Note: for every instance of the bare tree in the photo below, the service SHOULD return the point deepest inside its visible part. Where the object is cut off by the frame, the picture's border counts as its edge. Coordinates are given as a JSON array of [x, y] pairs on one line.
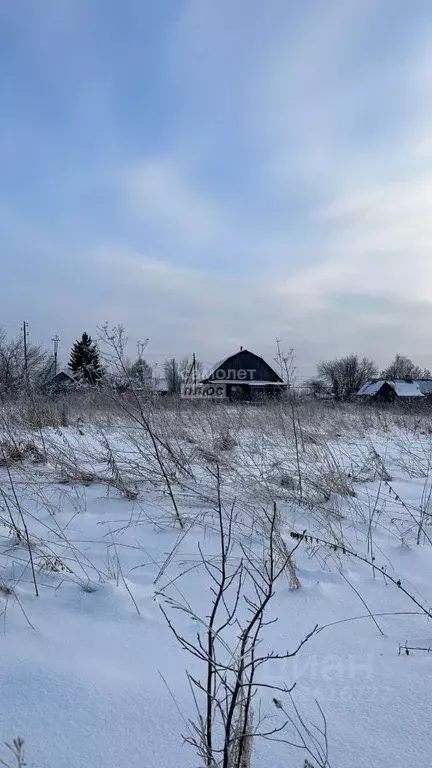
[[17, 373], [191, 370], [346, 375], [403, 368], [172, 375]]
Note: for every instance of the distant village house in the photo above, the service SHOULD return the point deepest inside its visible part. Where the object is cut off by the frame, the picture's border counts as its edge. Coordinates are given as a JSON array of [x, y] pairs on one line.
[[243, 376], [386, 390]]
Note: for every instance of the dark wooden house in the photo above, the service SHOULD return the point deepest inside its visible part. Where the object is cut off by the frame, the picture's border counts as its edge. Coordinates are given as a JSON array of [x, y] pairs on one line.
[[385, 390], [242, 376]]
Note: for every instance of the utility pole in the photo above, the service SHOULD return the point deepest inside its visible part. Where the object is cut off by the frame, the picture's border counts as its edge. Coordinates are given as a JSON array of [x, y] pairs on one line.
[[194, 371], [26, 373], [55, 341]]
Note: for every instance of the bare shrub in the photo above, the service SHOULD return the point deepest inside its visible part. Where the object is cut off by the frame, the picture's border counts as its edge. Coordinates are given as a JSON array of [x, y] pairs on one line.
[[287, 481], [224, 729], [12, 451], [225, 442]]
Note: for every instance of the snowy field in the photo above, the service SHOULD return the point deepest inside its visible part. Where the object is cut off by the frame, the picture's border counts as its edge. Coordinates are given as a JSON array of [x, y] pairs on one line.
[[115, 521]]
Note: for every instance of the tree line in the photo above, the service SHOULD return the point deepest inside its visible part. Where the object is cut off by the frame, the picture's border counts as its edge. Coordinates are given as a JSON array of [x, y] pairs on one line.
[[30, 365], [85, 365], [27, 365], [343, 377]]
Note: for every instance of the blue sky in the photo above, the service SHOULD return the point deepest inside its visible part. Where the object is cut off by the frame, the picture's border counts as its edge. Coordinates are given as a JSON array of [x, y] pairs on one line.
[[211, 173]]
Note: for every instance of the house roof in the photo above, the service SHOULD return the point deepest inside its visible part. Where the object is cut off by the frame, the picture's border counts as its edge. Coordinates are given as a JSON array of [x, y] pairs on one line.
[[402, 387], [425, 386], [406, 388], [61, 376], [210, 375], [371, 387]]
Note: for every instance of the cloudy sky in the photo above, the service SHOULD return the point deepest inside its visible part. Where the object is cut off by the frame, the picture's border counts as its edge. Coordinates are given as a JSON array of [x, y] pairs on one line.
[[211, 173]]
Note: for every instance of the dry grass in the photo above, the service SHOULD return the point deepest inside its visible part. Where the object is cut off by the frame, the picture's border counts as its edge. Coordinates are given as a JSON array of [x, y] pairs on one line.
[[340, 451], [12, 451]]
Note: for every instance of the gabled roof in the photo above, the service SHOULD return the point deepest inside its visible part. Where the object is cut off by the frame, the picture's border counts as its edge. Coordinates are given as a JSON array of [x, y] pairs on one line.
[[62, 375], [210, 375], [406, 388], [371, 387], [402, 387], [61, 380], [214, 368]]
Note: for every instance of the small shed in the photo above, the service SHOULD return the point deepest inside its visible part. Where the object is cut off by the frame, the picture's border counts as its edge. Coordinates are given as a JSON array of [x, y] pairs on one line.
[[60, 383], [160, 387], [242, 376]]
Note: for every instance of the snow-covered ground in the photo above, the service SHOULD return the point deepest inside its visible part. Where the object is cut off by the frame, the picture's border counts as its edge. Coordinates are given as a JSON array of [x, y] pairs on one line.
[[91, 674]]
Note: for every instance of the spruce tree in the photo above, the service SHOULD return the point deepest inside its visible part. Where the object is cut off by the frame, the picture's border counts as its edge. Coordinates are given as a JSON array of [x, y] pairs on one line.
[[84, 360]]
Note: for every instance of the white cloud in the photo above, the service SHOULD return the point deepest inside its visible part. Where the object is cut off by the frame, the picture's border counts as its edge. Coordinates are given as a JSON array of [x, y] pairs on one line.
[[378, 240], [369, 196], [159, 193], [183, 310]]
